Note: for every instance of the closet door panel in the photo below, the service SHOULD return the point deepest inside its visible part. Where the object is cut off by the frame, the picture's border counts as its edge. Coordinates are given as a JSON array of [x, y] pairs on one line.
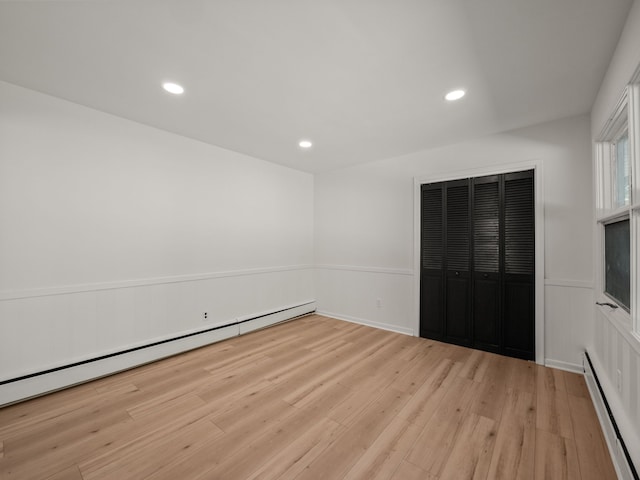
[[519, 224], [458, 256], [486, 313], [432, 262], [432, 307], [519, 265], [486, 257], [486, 224], [519, 320], [457, 317]]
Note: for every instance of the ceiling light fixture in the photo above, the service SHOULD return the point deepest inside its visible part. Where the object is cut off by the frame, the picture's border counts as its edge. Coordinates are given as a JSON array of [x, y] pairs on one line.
[[173, 88], [305, 144], [455, 95]]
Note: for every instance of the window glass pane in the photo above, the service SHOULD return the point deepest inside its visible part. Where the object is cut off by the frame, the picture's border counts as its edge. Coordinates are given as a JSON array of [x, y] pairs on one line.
[[617, 262], [622, 169]]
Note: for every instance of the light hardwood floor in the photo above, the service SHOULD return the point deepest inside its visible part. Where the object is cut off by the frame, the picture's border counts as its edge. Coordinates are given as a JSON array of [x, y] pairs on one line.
[[314, 398]]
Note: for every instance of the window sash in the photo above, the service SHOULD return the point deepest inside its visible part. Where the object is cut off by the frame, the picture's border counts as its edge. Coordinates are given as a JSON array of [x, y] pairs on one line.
[[617, 269], [621, 167], [616, 185]]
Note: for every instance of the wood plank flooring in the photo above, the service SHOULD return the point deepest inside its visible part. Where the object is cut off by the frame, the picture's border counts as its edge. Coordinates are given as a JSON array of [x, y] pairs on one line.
[[314, 398]]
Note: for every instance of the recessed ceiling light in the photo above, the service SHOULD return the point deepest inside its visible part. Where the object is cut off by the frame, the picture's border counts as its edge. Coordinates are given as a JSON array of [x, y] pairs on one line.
[[173, 88], [305, 144], [455, 95]]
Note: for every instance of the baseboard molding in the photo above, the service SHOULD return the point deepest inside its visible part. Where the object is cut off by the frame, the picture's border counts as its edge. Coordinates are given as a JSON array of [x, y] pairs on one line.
[[569, 367], [368, 323], [39, 383], [622, 441]]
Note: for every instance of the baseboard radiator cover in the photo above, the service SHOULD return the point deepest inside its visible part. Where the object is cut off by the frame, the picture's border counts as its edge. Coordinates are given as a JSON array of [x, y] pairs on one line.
[[24, 387], [620, 455]]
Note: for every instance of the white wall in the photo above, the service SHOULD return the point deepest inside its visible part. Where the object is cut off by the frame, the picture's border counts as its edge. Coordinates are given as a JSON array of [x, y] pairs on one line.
[[622, 66], [364, 230], [115, 234], [613, 348]]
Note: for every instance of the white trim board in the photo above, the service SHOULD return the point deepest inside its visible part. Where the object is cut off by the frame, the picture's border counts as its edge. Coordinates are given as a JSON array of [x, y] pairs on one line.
[[142, 282], [567, 367], [557, 282], [368, 323], [366, 269], [537, 167]]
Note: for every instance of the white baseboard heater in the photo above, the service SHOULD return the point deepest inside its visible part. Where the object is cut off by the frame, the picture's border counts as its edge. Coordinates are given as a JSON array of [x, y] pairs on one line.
[[619, 453], [23, 387]]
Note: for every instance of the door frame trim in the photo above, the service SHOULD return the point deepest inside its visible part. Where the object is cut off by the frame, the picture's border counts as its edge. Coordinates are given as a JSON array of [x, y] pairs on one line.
[[538, 178]]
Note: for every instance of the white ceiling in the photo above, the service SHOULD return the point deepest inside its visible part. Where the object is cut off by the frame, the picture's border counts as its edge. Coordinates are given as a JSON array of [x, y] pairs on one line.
[[363, 79]]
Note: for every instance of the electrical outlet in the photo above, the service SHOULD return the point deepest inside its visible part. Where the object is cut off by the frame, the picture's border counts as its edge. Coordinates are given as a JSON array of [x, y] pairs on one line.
[[379, 303], [619, 381], [204, 315]]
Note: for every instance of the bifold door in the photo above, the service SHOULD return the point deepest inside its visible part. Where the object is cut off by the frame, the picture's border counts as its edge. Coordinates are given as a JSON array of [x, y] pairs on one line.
[[477, 263]]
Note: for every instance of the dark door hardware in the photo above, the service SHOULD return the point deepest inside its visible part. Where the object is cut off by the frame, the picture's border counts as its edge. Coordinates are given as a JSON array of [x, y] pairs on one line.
[[608, 304]]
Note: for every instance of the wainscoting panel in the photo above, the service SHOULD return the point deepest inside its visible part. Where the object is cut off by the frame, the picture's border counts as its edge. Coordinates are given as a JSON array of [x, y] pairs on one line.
[[568, 314], [51, 331], [377, 297], [352, 293], [616, 360]]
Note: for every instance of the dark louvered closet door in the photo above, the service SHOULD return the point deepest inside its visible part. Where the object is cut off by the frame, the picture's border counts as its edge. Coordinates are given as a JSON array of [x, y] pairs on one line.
[[519, 265], [477, 284], [458, 278], [486, 254], [432, 262]]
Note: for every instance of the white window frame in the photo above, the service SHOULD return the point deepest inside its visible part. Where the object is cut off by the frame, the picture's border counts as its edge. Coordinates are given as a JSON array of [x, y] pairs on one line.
[[634, 213], [625, 118]]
